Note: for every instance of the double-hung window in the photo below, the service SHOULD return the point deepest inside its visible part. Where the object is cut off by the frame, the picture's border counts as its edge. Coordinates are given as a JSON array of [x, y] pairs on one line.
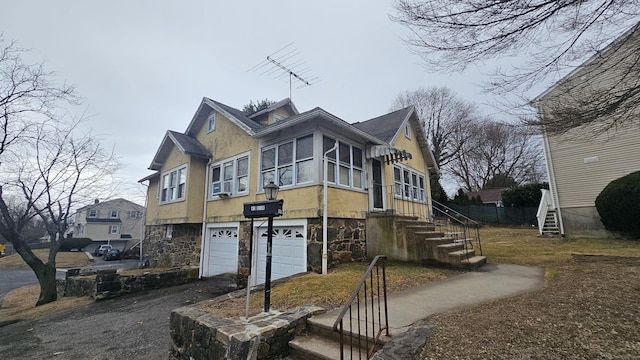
[[288, 163], [92, 213], [347, 170], [173, 185], [230, 177], [114, 229], [113, 214], [409, 184]]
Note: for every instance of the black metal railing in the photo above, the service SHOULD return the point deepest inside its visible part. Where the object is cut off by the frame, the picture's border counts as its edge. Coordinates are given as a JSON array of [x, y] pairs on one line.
[[407, 202], [457, 226], [364, 312]]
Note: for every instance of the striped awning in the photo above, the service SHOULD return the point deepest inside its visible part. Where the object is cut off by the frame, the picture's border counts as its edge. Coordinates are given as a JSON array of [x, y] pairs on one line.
[[389, 155]]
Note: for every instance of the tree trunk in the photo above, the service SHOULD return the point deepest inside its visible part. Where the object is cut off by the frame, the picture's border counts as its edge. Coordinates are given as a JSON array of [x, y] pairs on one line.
[[47, 278]]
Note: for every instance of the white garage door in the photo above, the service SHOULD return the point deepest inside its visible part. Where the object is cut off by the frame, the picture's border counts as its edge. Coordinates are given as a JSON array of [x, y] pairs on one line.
[[288, 253], [223, 251]]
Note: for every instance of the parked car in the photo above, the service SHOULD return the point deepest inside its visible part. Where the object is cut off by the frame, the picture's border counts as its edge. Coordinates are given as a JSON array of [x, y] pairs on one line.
[[103, 249], [113, 254]]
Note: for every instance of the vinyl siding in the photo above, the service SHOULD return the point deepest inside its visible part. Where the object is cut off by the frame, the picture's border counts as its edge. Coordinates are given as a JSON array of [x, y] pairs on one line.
[[579, 183]]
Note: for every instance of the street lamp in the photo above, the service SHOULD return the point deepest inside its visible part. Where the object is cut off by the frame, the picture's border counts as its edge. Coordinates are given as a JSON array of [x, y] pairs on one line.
[[271, 191], [269, 209]]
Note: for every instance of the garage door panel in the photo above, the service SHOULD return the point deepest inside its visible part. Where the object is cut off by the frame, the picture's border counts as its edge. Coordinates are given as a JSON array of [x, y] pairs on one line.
[[223, 251], [288, 253]]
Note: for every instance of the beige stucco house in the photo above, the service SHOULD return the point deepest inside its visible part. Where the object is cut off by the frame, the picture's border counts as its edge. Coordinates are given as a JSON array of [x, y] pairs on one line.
[[204, 175], [118, 222], [581, 162]]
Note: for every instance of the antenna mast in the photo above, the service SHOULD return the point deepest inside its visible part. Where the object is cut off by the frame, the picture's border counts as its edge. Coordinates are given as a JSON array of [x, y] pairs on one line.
[[291, 67]]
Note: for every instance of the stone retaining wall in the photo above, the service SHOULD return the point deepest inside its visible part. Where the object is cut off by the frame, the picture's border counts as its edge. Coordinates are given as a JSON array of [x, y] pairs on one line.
[[109, 284], [199, 334]]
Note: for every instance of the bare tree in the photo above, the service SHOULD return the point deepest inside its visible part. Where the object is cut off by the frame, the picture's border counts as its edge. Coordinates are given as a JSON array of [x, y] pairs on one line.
[[496, 151], [44, 160], [543, 39], [441, 113]]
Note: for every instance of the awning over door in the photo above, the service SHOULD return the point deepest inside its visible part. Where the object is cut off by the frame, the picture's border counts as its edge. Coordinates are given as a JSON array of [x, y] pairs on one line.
[[388, 154]]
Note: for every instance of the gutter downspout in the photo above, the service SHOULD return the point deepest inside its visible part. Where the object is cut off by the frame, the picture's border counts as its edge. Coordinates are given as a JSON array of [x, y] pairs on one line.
[[324, 210], [204, 219], [552, 181], [141, 261]]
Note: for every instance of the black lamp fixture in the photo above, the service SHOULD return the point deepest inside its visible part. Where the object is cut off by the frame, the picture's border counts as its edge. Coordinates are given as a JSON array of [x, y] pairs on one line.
[[271, 191]]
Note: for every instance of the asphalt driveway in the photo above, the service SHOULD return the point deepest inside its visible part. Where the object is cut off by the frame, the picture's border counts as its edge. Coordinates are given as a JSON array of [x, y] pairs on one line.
[[130, 327]]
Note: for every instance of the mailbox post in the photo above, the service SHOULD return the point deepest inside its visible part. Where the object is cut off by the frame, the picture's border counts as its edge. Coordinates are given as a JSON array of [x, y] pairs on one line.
[[269, 209]]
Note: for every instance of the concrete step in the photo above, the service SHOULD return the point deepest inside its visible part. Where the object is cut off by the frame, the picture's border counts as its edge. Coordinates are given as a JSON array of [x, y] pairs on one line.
[[313, 347], [456, 258], [475, 262], [427, 234]]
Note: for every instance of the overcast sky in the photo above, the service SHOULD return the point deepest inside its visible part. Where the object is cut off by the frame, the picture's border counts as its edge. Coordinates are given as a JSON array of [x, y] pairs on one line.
[[143, 67]]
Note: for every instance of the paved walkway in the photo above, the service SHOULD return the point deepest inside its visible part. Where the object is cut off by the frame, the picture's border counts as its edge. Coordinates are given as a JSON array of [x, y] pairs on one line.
[[491, 281]]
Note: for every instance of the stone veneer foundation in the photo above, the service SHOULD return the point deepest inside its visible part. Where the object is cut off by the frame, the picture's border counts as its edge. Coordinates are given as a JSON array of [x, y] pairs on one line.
[[347, 243]]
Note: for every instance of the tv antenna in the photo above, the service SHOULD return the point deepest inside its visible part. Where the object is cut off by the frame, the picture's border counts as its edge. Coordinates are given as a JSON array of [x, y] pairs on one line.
[[285, 63]]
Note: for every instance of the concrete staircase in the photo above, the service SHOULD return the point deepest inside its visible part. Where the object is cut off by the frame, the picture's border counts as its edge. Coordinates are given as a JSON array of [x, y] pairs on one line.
[[322, 343], [442, 246], [550, 227]]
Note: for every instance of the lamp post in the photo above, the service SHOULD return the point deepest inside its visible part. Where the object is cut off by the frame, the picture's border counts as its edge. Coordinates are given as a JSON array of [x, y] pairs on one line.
[[271, 192]]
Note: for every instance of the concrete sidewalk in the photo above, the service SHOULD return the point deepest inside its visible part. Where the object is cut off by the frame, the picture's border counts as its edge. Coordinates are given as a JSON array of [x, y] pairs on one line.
[[491, 281]]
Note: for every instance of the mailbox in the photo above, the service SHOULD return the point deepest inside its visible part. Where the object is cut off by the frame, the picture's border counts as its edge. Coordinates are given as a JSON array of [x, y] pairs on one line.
[[261, 209]]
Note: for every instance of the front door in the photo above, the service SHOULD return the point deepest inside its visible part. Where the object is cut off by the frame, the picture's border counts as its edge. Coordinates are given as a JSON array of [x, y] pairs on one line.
[[376, 169]]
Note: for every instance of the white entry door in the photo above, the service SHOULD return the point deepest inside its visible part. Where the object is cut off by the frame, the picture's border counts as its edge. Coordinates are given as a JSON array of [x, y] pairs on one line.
[[289, 252], [223, 251]]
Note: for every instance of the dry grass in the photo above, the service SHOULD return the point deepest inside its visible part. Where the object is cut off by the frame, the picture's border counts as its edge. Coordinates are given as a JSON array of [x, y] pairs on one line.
[[522, 245], [63, 259], [20, 304], [331, 290]]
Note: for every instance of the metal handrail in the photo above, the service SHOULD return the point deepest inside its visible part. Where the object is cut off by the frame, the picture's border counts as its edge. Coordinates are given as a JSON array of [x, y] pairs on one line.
[[374, 301], [407, 202], [457, 225]]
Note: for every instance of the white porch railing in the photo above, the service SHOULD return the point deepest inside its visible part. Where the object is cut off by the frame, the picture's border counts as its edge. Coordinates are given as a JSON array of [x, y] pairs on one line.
[[546, 204]]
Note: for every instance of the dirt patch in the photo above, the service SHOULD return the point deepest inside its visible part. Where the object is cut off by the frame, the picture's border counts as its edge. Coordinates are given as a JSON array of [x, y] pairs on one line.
[[588, 310], [21, 304]]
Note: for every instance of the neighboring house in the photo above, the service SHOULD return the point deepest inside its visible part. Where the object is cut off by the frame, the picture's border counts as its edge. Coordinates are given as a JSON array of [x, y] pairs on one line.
[[204, 176], [580, 164], [488, 197], [118, 222]]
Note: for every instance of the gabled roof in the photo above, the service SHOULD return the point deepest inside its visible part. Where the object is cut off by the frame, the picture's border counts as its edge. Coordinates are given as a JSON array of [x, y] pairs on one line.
[[107, 202], [388, 126], [279, 104], [234, 115], [186, 144], [385, 127]]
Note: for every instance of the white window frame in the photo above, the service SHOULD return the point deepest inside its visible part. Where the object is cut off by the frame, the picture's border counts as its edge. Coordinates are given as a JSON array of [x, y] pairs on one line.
[[114, 214], [336, 161], [274, 173], [173, 185], [211, 122], [409, 184], [92, 213], [169, 231], [133, 214], [231, 181], [407, 133], [114, 229]]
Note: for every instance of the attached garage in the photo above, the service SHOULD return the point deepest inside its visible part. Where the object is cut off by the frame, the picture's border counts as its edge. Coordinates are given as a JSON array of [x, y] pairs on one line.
[[289, 252], [222, 251]]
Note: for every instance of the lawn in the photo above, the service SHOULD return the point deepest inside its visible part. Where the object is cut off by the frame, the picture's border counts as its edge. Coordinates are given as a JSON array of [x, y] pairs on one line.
[[63, 259], [522, 245]]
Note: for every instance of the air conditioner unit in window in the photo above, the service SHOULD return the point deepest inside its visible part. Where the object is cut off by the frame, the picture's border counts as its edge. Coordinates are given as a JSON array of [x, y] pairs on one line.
[[223, 195]]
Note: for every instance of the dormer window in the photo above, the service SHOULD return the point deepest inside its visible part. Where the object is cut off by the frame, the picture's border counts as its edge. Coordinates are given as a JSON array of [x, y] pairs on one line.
[[211, 120]]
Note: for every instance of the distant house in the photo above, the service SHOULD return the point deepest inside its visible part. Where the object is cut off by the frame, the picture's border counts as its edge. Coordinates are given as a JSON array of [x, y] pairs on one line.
[[488, 197], [579, 164], [118, 222], [204, 175]]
